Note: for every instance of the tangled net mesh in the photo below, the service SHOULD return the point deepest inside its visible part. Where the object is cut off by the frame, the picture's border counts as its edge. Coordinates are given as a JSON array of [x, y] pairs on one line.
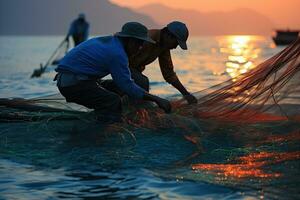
[[259, 95], [269, 92]]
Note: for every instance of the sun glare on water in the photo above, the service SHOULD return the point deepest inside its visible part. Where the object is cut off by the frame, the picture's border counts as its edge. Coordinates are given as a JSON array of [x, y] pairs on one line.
[[241, 53]]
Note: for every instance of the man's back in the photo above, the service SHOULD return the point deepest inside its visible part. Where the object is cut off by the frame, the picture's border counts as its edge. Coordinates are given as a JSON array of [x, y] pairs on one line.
[[150, 52], [80, 27], [79, 30], [93, 57], [99, 57]]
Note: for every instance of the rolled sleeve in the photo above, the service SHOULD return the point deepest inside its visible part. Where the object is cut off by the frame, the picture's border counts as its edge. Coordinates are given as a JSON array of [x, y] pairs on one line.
[[121, 75], [166, 67]]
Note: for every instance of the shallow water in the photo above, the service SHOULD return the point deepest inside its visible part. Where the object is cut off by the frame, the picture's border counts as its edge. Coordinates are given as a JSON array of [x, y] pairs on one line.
[[81, 159]]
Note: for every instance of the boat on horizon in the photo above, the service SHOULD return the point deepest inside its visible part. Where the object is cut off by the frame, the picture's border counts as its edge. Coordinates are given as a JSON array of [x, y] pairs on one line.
[[285, 37]]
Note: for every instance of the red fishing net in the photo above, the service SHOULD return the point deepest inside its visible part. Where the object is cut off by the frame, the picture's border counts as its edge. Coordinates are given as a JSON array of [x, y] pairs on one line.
[[269, 92]]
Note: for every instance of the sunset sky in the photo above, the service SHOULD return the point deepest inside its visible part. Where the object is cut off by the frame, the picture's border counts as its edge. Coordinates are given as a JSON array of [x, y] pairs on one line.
[[284, 13]]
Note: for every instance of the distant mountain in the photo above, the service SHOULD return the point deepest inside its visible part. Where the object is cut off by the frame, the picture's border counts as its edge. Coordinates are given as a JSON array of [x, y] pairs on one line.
[[47, 17], [239, 21]]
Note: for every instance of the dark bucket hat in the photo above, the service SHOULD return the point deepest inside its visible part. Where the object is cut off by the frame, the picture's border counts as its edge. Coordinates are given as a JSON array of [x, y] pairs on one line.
[[135, 30], [180, 31]]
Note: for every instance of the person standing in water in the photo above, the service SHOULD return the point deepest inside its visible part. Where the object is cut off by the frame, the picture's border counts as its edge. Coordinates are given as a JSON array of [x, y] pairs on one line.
[[79, 30]]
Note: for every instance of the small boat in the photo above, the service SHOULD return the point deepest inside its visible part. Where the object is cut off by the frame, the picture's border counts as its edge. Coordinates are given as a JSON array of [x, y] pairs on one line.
[[54, 59], [285, 37]]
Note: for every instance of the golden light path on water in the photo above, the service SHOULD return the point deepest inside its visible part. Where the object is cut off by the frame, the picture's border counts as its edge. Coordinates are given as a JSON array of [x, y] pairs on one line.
[[258, 164], [242, 52], [250, 166]]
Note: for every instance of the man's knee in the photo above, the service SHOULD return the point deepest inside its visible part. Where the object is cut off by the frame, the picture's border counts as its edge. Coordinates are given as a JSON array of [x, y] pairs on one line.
[[116, 103], [111, 102]]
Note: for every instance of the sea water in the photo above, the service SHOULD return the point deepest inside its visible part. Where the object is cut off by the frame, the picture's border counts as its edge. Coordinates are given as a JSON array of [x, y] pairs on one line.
[[83, 160]]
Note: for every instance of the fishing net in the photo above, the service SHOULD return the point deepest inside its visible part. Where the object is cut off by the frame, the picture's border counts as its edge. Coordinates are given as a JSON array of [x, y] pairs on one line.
[[52, 107], [235, 123], [269, 92], [54, 59]]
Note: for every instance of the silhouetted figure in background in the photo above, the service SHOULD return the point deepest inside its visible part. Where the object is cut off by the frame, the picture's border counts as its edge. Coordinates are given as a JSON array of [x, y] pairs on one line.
[[79, 30]]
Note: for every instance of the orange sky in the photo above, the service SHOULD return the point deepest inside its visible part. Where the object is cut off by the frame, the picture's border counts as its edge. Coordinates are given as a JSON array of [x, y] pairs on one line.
[[284, 13]]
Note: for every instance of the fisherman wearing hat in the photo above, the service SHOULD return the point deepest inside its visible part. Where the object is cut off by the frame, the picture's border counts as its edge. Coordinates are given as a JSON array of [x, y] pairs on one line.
[[80, 70], [174, 34], [79, 30]]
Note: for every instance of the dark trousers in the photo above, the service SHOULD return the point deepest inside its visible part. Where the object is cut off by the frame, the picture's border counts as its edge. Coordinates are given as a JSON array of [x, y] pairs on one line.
[[77, 39], [93, 95], [102, 96]]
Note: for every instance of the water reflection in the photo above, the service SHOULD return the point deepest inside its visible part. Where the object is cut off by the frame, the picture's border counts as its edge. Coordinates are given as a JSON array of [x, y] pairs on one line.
[[249, 166], [241, 53]]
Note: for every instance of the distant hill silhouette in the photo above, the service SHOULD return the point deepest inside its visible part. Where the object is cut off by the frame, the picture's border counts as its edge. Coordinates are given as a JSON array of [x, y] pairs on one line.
[[48, 17], [239, 21]]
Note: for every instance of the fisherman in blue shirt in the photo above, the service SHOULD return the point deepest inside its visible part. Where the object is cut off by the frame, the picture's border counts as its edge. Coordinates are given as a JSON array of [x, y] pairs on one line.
[[80, 70], [79, 30]]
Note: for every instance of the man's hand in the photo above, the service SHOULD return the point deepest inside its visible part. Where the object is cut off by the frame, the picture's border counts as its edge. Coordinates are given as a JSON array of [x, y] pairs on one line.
[[164, 104], [190, 99]]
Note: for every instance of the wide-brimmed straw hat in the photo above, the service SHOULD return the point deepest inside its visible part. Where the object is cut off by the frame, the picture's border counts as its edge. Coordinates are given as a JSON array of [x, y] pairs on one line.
[[135, 30]]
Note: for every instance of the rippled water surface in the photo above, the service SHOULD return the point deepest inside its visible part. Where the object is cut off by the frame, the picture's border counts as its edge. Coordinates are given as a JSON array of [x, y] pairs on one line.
[[81, 159]]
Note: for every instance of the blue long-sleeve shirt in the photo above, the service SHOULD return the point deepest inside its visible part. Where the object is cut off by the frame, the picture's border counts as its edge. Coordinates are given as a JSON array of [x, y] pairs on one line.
[[99, 57]]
